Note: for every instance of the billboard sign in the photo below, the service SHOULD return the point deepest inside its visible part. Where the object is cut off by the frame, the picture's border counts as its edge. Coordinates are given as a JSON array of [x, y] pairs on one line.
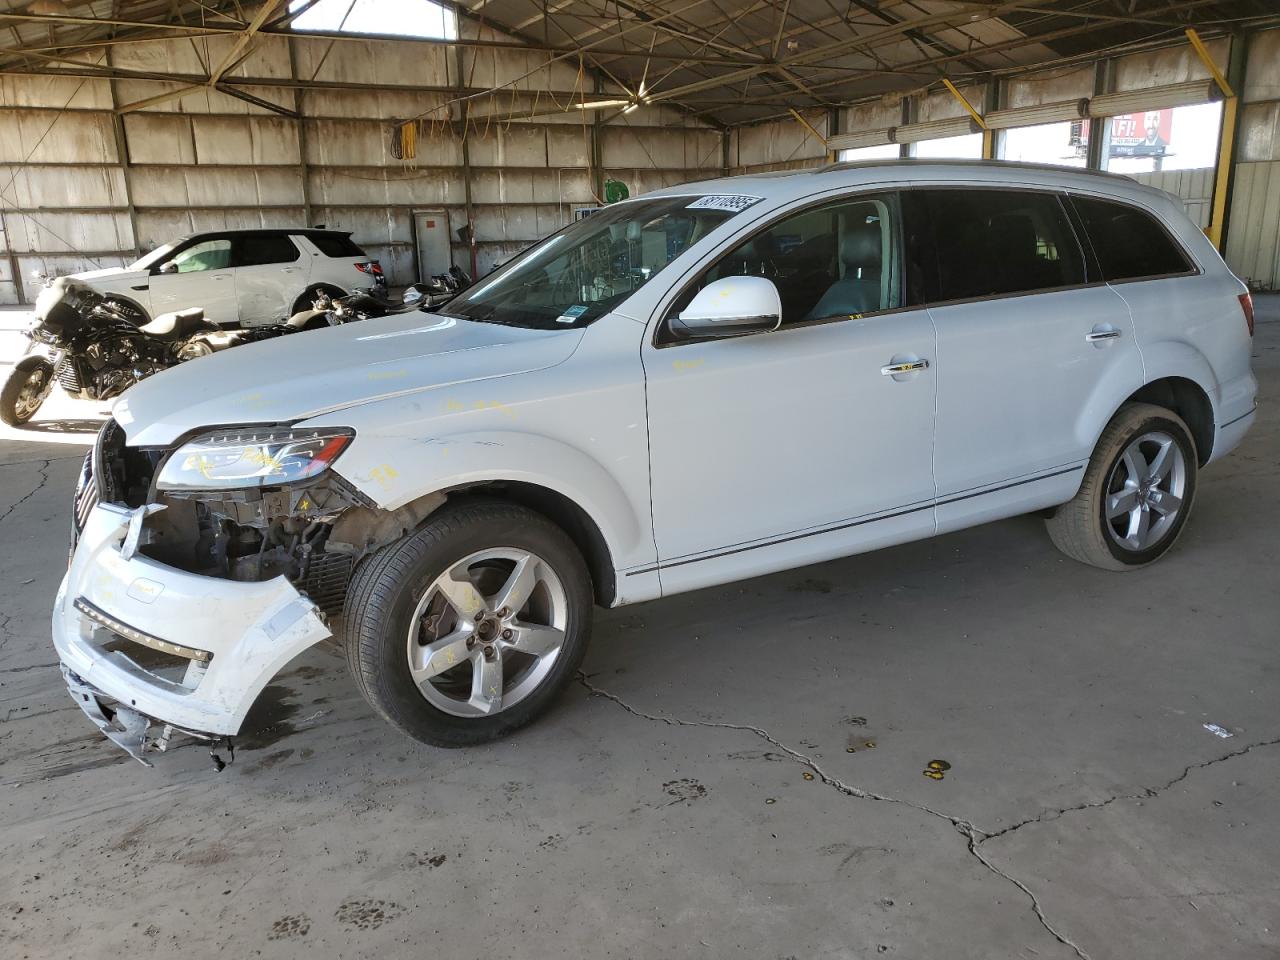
[[1145, 134]]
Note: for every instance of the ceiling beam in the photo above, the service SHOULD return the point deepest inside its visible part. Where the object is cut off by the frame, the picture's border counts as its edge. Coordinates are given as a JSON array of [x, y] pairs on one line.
[[165, 30]]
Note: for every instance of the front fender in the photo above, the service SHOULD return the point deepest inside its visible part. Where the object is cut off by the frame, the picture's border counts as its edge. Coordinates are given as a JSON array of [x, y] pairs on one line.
[[393, 470]]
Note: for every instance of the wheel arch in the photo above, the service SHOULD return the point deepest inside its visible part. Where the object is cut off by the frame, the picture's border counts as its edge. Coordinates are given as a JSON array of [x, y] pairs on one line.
[[1190, 401], [304, 299], [564, 513]]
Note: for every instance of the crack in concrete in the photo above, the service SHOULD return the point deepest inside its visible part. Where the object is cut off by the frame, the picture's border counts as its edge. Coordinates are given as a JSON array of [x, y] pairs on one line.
[[44, 478], [1146, 793], [29, 667], [974, 837]]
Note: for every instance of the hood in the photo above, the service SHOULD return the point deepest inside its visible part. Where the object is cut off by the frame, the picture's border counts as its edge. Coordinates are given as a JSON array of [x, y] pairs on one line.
[[107, 273], [303, 375]]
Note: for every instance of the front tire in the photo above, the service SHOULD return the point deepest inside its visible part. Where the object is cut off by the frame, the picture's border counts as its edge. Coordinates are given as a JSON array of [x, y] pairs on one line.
[[29, 383], [468, 628], [1136, 494]]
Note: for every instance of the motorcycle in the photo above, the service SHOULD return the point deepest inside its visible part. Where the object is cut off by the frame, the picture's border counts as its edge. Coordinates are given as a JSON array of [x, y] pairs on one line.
[[364, 305], [94, 348]]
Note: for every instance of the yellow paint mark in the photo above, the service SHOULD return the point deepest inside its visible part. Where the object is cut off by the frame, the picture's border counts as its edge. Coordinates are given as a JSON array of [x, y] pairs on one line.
[[383, 475], [388, 374], [456, 406], [253, 400], [679, 365]]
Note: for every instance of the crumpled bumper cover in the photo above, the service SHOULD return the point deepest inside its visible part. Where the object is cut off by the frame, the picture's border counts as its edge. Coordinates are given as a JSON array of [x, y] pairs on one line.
[[249, 631]]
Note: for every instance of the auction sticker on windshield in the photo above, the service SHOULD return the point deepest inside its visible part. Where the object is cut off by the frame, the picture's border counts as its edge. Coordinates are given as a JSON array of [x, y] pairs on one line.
[[734, 203], [571, 314]]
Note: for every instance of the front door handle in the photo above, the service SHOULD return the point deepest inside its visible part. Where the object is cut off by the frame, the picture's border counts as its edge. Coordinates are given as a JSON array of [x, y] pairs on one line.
[[907, 366], [1097, 336]]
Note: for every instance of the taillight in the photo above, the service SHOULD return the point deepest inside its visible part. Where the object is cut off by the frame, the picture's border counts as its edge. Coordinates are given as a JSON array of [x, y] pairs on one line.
[[1246, 304], [371, 267]]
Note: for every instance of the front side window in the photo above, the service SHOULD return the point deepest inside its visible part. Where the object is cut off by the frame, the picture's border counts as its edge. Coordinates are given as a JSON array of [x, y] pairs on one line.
[[838, 260], [1129, 243], [581, 273], [997, 243], [205, 255], [258, 249]]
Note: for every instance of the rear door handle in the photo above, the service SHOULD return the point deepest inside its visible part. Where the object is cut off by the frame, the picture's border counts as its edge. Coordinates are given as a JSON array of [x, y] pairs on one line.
[[1097, 336], [909, 366]]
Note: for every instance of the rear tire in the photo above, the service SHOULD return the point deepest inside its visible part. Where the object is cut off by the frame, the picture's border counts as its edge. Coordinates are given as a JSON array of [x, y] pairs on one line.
[[468, 628], [29, 383], [309, 295], [1136, 495]]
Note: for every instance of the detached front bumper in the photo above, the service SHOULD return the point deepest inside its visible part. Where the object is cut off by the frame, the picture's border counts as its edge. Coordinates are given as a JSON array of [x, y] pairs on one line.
[[140, 641]]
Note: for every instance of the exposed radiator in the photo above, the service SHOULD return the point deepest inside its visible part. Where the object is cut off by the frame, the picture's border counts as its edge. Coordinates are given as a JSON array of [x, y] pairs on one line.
[[69, 377], [86, 495], [326, 580]]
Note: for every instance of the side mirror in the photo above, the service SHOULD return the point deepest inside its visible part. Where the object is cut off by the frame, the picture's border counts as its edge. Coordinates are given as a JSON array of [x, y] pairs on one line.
[[168, 267], [730, 307]]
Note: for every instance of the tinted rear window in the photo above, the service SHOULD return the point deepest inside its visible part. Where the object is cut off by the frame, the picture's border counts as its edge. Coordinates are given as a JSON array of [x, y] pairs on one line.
[[1129, 243], [336, 245], [996, 243], [256, 249]]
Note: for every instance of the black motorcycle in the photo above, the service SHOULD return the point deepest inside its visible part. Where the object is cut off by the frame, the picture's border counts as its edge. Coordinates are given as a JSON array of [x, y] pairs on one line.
[[362, 305], [93, 347]]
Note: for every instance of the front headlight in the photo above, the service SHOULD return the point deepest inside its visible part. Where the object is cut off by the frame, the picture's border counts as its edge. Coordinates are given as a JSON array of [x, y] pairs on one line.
[[252, 458]]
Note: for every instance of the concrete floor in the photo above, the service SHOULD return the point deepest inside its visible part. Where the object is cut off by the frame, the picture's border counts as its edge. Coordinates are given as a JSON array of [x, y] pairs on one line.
[[740, 776]]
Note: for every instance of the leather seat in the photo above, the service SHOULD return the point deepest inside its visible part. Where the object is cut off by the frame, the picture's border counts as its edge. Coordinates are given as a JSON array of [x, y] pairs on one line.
[[175, 326], [859, 290]]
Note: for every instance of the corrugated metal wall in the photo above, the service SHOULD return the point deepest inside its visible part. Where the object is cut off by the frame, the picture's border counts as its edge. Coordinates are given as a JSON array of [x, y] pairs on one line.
[[211, 161], [1253, 230], [1253, 239]]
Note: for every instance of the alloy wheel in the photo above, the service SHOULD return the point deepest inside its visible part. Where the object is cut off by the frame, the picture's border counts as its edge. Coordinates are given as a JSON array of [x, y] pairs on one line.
[[487, 631], [1145, 492], [32, 393]]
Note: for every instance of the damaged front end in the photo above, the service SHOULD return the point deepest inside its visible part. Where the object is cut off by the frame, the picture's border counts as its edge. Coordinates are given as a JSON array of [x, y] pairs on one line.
[[199, 572]]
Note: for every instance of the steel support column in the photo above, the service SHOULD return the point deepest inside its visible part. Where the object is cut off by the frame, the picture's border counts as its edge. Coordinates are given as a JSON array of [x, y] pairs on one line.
[[1104, 81], [122, 157]]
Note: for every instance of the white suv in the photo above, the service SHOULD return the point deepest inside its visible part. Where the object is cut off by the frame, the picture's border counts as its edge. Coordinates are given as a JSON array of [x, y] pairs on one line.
[[240, 277], [704, 384]]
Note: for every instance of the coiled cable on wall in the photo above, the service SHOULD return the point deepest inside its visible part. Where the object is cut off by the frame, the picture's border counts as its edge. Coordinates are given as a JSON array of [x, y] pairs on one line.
[[404, 140]]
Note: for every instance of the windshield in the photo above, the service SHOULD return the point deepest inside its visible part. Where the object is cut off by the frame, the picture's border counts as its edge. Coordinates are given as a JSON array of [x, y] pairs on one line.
[[578, 275], [149, 260]]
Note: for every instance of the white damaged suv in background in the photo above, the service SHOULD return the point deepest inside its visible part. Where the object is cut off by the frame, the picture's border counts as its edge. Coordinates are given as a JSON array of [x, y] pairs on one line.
[[238, 277], [704, 384]]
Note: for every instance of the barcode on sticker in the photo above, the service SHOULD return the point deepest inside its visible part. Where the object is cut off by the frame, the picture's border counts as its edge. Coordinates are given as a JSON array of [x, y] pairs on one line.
[[732, 202]]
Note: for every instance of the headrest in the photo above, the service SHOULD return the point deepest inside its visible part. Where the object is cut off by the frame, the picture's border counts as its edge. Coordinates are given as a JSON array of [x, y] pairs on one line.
[[860, 246], [1014, 235]]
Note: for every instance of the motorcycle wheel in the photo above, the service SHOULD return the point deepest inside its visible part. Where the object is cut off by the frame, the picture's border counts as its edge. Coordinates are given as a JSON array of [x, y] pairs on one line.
[[29, 383]]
